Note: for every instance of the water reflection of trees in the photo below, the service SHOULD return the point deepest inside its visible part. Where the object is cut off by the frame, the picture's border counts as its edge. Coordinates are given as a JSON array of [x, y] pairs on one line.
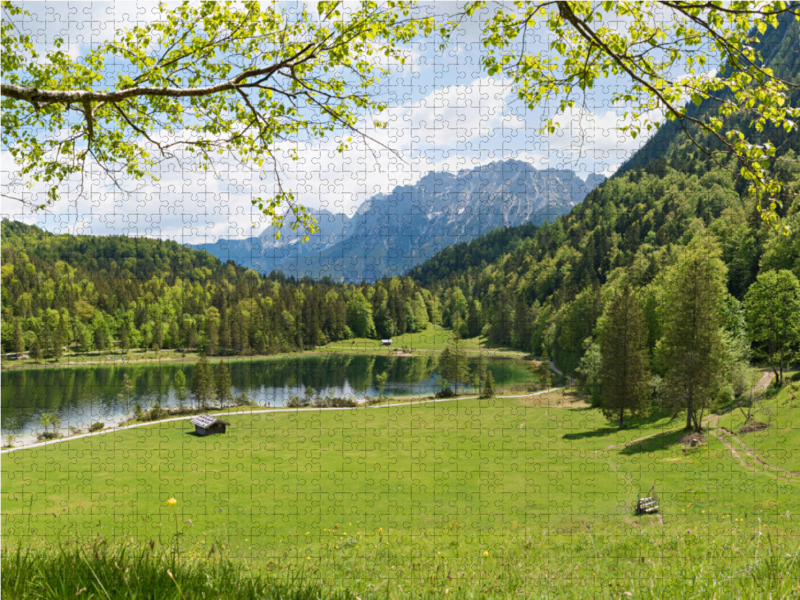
[[27, 393]]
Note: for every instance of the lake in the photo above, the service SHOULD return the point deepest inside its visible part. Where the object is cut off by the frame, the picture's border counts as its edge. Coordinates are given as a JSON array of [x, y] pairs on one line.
[[83, 395]]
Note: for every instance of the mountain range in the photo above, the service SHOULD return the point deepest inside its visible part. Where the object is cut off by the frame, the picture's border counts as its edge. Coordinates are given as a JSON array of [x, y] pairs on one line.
[[391, 233]]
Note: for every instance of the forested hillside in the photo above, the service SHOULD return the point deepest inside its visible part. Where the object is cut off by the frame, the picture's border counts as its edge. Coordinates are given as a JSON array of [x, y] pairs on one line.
[[660, 226], [551, 288], [103, 293], [469, 256]]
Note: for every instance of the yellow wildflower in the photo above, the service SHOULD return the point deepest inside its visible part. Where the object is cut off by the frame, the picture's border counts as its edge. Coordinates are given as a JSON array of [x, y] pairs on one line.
[[172, 502]]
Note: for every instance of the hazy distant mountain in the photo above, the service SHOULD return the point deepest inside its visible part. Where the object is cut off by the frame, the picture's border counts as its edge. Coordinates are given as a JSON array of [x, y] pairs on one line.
[[389, 234]]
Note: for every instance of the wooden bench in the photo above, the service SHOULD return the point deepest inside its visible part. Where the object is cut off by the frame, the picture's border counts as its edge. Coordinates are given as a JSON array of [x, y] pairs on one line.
[[649, 504]]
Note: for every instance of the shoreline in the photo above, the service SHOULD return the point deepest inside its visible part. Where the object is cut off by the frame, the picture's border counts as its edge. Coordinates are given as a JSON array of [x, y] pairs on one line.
[[420, 400], [192, 358]]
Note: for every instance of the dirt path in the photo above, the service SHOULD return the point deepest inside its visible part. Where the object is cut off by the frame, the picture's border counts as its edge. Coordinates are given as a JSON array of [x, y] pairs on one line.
[[763, 382], [254, 412], [747, 456]]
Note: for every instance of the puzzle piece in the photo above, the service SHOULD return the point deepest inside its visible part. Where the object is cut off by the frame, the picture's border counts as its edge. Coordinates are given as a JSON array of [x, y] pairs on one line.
[[363, 443]]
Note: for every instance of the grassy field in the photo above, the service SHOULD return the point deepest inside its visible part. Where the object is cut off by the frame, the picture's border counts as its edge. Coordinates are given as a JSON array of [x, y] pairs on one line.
[[778, 444], [496, 498], [433, 339]]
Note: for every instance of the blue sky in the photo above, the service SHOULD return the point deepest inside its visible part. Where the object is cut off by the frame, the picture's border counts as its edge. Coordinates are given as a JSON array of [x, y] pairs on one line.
[[444, 114]]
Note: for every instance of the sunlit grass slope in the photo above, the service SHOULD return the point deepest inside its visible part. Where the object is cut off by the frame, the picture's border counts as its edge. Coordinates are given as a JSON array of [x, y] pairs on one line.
[[433, 339], [480, 498], [779, 444], [279, 478]]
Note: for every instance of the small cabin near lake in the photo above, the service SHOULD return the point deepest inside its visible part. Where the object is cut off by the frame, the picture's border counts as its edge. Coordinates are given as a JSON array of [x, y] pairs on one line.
[[386, 342], [208, 425]]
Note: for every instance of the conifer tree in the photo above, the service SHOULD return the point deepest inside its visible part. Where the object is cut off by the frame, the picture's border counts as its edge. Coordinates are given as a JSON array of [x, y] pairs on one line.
[[174, 335], [691, 349], [158, 336], [624, 373], [58, 340], [453, 362], [488, 385], [125, 390], [100, 338], [547, 377], [212, 341], [36, 350], [47, 339], [202, 382], [124, 338], [222, 385], [225, 334], [19, 342], [180, 387]]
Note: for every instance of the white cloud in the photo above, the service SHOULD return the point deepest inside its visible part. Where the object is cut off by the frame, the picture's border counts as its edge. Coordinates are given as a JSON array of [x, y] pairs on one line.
[[444, 116]]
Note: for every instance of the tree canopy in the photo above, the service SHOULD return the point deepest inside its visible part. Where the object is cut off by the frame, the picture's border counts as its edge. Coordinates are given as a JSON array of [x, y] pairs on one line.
[[222, 82], [641, 44], [211, 82]]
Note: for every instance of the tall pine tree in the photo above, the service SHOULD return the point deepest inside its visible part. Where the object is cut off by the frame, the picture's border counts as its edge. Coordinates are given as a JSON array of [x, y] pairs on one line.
[[202, 382], [222, 385], [547, 377], [624, 372], [691, 349], [453, 364], [19, 343]]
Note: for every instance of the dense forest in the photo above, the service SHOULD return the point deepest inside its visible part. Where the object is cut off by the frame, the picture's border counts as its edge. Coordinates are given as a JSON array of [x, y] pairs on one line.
[[101, 293]]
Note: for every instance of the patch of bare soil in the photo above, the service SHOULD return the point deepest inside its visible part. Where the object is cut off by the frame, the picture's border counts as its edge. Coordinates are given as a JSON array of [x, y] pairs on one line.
[[693, 436], [558, 399], [754, 426]]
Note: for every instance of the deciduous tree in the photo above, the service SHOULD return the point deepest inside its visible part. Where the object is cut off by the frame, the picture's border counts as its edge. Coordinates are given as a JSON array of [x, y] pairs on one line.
[[639, 44], [773, 315], [213, 82]]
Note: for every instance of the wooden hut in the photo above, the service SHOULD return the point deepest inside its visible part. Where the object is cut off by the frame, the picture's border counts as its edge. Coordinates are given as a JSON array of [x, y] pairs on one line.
[[386, 342], [208, 425]]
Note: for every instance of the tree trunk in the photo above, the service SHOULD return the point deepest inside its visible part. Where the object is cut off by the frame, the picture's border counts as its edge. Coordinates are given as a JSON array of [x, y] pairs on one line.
[[621, 416]]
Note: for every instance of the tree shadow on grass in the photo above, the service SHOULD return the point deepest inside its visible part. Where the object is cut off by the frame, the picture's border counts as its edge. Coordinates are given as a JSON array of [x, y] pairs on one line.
[[657, 443], [581, 435], [649, 419]]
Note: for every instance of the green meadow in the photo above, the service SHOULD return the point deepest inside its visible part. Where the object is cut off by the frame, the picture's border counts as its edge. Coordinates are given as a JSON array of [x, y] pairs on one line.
[[433, 339], [413, 500]]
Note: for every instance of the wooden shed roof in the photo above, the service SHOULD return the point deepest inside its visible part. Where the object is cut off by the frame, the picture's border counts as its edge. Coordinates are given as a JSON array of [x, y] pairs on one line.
[[205, 421]]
